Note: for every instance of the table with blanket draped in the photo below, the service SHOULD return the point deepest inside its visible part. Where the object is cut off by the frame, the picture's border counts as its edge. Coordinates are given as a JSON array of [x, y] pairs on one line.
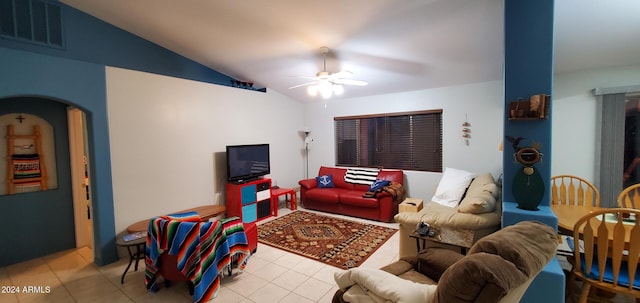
[[205, 250]]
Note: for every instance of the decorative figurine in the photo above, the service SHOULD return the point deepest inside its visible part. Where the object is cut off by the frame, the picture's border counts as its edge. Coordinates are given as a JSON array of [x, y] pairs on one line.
[[528, 186]]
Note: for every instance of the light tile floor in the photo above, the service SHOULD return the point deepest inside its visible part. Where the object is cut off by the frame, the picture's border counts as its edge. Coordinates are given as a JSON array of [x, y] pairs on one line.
[[271, 275]]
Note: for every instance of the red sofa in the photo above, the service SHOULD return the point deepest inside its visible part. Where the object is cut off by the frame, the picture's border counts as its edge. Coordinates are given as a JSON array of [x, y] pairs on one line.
[[347, 198]]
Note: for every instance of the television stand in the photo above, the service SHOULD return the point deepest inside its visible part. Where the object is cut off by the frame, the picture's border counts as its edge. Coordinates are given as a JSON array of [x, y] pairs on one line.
[[250, 200], [245, 181]]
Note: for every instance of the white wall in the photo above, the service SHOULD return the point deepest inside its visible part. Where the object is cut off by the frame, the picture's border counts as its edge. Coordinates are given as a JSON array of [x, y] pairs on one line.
[[481, 102], [574, 117], [168, 135], [573, 121], [168, 138]]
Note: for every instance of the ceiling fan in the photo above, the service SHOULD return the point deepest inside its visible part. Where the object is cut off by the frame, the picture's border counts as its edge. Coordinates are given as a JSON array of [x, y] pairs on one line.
[[325, 83]]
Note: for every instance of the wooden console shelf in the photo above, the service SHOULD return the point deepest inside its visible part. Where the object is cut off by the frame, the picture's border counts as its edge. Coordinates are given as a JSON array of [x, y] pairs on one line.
[[206, 212], [535, 108]]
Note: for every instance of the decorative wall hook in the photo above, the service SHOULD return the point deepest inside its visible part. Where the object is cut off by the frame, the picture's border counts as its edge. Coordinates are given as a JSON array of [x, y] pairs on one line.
[[466, 130]]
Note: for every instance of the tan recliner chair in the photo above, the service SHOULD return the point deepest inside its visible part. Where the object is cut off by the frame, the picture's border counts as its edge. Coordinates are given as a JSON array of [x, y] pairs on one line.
[[498, 268], [477, 215]]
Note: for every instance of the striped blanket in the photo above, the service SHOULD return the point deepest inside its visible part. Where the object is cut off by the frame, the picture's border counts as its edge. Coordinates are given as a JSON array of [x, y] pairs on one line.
[[204, 249], [26, 166], [364, 176]]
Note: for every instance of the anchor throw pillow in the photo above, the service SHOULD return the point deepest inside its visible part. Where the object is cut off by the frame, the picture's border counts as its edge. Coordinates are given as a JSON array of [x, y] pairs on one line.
[[325, 181]]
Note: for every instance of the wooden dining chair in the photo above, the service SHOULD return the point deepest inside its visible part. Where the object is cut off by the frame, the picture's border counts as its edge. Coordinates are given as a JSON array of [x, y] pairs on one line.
[[604, 256], [630, 197], [574, 190]]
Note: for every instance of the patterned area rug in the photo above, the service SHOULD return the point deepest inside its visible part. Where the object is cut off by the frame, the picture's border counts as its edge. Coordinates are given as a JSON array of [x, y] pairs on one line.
[[338, 242]]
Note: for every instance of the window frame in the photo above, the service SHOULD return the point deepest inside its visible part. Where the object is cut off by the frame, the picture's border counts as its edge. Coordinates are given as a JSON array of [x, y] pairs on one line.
[[374, 136]]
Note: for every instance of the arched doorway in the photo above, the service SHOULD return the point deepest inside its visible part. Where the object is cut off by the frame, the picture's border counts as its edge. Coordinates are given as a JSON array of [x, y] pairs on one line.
[[44, 220]]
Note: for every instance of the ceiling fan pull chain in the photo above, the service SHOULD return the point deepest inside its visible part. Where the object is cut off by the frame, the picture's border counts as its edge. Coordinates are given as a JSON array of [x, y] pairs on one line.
[[324, 65]]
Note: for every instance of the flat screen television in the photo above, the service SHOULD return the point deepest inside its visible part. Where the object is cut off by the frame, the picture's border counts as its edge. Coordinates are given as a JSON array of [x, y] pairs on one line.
[[247, 162]]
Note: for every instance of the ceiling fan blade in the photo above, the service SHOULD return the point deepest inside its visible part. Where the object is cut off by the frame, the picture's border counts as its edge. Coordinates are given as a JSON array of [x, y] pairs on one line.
[[341, 74], [350, 82], [305, 77], [303, 84]]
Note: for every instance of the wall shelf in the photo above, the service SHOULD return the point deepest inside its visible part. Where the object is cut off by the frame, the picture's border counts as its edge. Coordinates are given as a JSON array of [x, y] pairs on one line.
[[534, 108], [527, 119]]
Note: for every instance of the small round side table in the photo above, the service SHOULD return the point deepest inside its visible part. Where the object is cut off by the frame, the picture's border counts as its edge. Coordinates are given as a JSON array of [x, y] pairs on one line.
[[137, 255]]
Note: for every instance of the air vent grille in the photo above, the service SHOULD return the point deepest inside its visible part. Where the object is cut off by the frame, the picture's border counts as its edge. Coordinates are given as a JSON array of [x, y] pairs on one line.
[[34, 21]]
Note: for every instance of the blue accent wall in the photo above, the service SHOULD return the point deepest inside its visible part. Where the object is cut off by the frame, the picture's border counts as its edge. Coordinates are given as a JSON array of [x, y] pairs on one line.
[[78, 84], [75, 75], [44, 219], [528, 70], [92, 40]]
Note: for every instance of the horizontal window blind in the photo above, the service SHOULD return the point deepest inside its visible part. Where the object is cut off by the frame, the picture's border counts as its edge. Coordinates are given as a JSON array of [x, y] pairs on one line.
[[408, 141]]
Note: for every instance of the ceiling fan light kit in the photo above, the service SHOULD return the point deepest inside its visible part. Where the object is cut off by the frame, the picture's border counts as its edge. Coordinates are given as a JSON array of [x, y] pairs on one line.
[[338, 89], [325, 89], [327, 84]]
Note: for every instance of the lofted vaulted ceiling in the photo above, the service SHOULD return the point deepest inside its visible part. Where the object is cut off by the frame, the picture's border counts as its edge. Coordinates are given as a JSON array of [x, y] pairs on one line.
[[393, 45]]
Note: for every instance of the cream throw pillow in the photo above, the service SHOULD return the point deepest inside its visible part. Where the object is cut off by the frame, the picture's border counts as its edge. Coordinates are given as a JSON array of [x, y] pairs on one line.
[[452, 186], [481, 196], [477, 185], [480, 203]]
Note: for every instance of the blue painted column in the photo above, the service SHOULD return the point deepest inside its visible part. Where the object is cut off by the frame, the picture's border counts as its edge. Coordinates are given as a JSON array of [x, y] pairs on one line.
[[528, 71]]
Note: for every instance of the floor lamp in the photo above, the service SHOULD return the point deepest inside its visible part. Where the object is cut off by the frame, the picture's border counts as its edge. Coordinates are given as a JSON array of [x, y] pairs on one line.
[[307, 141]]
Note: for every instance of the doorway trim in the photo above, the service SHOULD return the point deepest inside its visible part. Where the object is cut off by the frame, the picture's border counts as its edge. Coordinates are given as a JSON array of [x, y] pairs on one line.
[[79, 178]]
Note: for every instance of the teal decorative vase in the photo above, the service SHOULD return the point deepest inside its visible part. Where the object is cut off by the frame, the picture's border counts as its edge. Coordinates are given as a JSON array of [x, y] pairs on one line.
[[528, 188]]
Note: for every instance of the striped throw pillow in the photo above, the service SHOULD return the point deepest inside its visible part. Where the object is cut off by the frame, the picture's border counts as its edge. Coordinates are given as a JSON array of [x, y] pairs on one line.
[[364, 176]]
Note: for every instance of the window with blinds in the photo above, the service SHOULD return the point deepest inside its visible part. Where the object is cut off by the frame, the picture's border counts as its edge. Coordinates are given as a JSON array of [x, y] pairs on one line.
[[408, 141]]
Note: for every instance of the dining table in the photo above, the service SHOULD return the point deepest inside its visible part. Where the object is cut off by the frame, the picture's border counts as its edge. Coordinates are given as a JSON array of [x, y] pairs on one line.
[[568, 215]]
